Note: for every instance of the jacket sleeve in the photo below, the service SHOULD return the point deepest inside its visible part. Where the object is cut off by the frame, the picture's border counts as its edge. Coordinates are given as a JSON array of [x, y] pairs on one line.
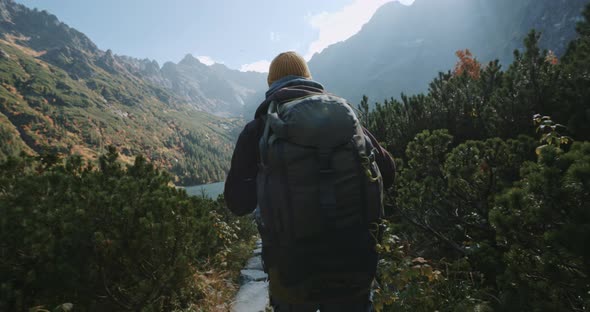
[[384, 161], [240, 184]]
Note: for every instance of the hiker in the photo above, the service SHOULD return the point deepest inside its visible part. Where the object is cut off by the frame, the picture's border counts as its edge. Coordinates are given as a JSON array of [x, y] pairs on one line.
[[315, 178]]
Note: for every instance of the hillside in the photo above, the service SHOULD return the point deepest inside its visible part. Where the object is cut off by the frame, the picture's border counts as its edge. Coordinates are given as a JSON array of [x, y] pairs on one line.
[[402, 47], [59, 92]]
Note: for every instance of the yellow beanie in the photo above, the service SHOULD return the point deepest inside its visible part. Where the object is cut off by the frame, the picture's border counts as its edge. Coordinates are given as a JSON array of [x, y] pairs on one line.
[[285, 64]]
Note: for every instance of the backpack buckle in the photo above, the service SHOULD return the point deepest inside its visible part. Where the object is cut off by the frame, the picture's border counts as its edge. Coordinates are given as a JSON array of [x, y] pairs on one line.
[[367, 162]]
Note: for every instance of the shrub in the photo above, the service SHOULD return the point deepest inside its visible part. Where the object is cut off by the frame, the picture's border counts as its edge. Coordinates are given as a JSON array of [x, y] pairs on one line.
[[106, 238]]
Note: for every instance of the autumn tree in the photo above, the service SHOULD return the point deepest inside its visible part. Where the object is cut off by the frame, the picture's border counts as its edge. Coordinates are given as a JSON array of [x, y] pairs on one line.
[[467, 64]]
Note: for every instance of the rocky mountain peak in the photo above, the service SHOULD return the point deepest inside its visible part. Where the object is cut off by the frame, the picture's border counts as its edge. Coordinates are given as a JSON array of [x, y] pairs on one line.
[[214, 89], [40, 30], [150, 66], [190, 60], [4, 13], [109, 62]]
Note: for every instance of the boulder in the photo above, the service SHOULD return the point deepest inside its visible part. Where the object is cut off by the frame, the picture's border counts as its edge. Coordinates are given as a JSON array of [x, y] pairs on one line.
[[255, 263], [247, 276]]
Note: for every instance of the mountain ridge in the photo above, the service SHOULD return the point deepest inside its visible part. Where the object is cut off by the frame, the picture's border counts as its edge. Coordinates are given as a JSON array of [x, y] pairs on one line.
[[59, 93], [61, 44], [402, 48]]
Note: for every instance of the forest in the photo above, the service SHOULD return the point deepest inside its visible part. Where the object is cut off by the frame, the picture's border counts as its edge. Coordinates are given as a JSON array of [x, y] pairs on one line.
[[491, 206], [490, 210]]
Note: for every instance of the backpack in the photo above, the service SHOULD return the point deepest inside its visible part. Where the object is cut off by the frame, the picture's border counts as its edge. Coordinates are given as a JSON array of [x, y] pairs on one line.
[[320, 197]]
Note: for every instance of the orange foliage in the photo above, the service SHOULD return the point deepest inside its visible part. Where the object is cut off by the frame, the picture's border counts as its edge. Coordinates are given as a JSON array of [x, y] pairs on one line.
[[551, 58], [467, 64], [10, 88], [50, 120]]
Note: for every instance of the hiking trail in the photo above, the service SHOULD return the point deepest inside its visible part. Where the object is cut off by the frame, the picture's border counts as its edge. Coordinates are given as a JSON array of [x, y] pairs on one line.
[[253, 293]]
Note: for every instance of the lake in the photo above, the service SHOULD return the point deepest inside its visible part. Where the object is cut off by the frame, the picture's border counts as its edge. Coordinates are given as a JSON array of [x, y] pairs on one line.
[[211, 190]]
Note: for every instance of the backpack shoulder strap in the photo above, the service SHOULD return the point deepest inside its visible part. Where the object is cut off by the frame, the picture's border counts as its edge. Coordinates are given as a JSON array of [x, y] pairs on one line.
[[263, 144]]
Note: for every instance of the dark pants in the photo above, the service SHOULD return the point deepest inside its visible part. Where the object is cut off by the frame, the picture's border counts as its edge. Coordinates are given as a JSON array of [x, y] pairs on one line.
[[366, 306]]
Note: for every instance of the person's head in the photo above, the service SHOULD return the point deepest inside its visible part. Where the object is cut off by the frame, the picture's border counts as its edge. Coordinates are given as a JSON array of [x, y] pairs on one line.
[[286, 64]]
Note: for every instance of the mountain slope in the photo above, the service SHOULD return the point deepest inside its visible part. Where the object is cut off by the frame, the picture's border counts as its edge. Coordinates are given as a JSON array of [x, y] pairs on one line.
[[59, 92], [402, 47]]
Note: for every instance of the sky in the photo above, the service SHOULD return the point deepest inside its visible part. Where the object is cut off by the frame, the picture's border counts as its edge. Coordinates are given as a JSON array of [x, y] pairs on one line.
[[241, 34]]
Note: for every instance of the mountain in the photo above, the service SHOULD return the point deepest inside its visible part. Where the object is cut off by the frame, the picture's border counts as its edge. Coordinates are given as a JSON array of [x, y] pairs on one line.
[[403, 47], [60, 93], [215, 88]]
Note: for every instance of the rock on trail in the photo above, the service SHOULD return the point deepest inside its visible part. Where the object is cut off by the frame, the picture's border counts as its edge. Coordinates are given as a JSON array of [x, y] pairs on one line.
[[253, 293]]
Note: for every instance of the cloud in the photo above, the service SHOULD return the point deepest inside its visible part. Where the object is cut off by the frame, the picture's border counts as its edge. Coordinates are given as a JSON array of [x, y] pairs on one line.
[[259, 66], [338, 26], [206, 60]]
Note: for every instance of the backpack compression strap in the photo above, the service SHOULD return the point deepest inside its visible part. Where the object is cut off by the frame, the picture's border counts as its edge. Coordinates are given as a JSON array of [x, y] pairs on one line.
[[326, 183]]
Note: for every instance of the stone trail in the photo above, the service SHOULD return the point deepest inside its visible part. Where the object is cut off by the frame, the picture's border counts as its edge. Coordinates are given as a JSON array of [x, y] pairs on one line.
[[253, 293]]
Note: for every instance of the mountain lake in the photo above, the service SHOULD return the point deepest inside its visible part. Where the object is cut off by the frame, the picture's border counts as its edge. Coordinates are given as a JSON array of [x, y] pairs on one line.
[[210, 190]]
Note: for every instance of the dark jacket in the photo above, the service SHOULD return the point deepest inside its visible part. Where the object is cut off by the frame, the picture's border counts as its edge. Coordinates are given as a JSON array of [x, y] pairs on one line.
[[240, 185]]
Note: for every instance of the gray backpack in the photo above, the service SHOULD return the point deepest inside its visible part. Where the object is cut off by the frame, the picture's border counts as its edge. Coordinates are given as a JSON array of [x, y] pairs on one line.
[[320, 196]]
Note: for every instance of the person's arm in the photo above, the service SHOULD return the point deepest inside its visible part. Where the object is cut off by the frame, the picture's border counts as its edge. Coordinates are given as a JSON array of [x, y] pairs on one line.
[[384, 161], [240, 185]]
